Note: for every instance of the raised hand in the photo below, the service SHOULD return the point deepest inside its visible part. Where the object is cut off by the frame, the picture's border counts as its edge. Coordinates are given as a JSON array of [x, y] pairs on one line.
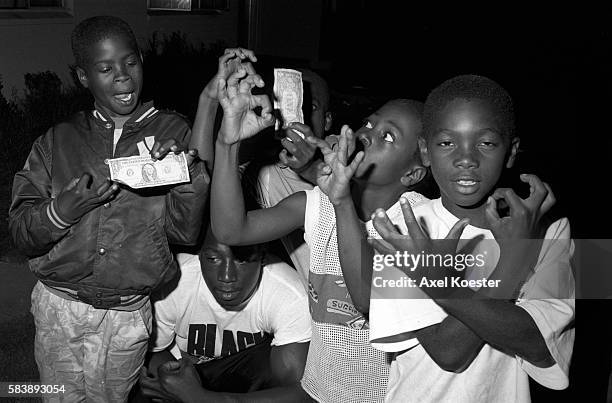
[[232, 60], [298, 153], [239, 118], [525, 218], [335, 175], [79, 197]]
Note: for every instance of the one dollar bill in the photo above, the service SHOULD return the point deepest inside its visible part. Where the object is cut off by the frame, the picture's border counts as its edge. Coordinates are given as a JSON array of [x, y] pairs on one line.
[[289, 95], [142, 171]]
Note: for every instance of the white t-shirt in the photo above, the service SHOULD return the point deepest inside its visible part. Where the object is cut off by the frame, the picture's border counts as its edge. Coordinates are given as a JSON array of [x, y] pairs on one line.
[[274, 183], [191, 316], [493, 376]]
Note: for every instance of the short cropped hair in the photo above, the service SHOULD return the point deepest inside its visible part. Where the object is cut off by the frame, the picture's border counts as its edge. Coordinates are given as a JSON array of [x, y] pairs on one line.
[[95, 29], [471, 87]]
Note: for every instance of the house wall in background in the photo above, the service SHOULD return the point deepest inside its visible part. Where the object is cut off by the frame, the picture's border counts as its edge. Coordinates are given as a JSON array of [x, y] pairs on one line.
[[30, 45]]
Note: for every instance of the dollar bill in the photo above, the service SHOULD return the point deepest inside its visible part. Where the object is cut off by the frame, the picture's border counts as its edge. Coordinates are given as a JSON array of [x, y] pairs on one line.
[[143, 172], [289, 95]]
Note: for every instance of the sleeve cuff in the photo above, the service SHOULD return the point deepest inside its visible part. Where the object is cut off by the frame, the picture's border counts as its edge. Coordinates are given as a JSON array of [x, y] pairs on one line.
[[55, 218]]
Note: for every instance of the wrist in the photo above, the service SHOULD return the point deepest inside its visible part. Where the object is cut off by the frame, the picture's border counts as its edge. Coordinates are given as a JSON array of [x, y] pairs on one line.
[[206, 98], [342, 202], [58, 217]]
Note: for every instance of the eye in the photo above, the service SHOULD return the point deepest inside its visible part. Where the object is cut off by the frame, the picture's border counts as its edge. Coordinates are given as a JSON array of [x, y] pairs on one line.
[[388, 137], [104, 69], [368, 125], [445, 143], [213, 259], [315, 107], [487, 144]]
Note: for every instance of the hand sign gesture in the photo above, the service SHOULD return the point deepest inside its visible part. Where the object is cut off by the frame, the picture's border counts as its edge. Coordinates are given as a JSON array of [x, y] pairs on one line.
[[524, 220], [239, 118], [232, 60], [335, 175], [416, 243]]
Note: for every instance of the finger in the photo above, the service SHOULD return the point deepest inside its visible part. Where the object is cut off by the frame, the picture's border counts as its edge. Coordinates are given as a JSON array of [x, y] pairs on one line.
[[169, 366], [284, 158], [103, 187], [491, 211], [384, 226], [549, 201], [381, 247], [191, 156], [301, 128], [155, 149], [324, 170], [266, 119], [163, 149], [321, 144], [247, 84], [222, 92], [288, 145], [414, 229], [108, 194], [332, 140], [71, 184], [233, 82], [537, 191], [457, 229], [294, 134], [83, 183], [249, 54], [355, 163], [343, 145], [225, 58], [517, 206]]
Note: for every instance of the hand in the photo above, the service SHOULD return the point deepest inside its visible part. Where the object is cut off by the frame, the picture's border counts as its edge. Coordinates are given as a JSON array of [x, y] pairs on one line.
[[79, 198], [181, 380], [232, 60], [418, 242], [525, 218], [335, 175], [239, 118], [151, 388], [333, 140], [302, 152]]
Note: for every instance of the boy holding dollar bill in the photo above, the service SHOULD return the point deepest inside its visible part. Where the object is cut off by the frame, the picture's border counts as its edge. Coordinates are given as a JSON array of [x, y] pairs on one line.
[[98, 248], [341, 365]]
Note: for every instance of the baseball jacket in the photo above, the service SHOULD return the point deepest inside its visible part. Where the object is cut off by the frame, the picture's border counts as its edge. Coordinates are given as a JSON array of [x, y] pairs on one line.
[[120, 248]]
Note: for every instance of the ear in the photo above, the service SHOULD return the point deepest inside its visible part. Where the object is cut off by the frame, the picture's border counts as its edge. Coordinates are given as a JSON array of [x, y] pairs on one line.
[[514, 147], [413, 176], [328, 121], [82, 75], [424, 152]]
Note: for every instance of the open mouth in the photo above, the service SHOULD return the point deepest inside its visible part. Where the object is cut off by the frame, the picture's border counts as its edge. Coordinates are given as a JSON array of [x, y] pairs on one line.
[[228, 294], [466, 182], [125, 98]]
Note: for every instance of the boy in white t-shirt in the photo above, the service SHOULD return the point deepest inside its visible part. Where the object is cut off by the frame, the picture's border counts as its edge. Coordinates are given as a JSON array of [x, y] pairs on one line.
[[244, 324], [469, 344]]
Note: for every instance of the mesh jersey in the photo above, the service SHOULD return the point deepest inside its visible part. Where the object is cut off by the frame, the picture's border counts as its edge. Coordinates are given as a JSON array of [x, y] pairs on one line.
[[341, 366]]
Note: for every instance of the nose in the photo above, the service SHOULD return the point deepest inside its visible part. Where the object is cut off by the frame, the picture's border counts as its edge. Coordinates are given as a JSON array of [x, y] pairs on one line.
[[227, 273], [466, 158], [122, 74], [364, 138]]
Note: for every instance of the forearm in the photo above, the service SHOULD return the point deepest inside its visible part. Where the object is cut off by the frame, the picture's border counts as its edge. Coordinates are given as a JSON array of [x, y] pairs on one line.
[[228, 215], [501, 324], [451, 344], [203, 129], [355, 255]]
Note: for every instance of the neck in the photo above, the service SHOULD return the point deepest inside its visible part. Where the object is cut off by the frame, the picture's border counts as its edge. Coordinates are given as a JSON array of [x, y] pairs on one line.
[[120, 121], [368, 197], [476, 214]]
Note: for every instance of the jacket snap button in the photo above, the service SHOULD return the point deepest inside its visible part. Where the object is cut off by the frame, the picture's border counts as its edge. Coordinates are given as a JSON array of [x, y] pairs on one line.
[[98, 294], [102, 251], [107, 205], [108, 125]]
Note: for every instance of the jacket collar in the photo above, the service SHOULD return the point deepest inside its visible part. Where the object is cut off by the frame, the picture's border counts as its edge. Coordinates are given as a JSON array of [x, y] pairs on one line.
[[140, 115]]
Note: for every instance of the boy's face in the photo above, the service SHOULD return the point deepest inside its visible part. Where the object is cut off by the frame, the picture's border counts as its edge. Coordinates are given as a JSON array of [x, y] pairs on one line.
[[389, 139], [467, 150], [231, 280], [114, 76], [318, 116]]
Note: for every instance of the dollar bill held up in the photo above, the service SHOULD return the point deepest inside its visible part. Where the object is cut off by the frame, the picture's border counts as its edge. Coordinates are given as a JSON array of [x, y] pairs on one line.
[[289, 96], [142, 171]]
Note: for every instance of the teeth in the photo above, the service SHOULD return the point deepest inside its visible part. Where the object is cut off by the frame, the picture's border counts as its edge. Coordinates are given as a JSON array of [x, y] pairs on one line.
[[124, 97], [466, 182]]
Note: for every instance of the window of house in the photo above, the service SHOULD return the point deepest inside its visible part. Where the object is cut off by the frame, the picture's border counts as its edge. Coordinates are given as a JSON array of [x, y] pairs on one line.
[[194, 6], [30, 4]]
